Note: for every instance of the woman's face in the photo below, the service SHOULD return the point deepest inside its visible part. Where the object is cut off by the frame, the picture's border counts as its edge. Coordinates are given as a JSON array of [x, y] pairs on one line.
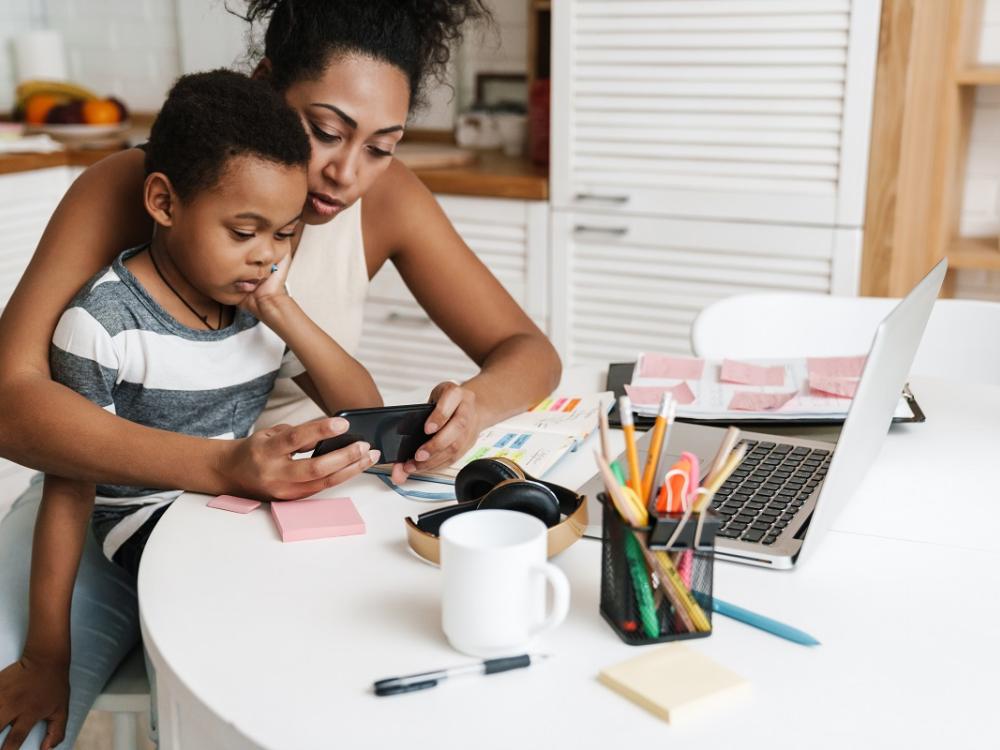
[[354, 114]]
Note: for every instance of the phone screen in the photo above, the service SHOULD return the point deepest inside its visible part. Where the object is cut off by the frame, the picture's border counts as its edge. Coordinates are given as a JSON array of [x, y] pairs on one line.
[[396, 431]]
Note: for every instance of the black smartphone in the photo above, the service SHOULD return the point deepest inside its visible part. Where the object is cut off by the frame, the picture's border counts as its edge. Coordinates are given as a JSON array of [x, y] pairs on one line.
[[396, 431]]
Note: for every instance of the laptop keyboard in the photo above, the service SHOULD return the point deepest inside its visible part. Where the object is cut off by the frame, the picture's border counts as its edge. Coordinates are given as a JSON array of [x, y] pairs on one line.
[[768, 488]]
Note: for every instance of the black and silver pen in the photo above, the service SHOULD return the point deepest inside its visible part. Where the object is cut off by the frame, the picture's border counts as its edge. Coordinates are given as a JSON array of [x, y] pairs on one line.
[[409, 683]]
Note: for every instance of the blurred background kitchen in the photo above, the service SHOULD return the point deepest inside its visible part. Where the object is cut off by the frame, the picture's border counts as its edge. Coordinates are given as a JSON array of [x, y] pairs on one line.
[[698, 150]]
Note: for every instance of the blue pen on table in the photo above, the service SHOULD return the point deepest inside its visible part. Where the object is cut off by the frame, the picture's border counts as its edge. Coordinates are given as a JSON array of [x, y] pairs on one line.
[[424, 680], [764, 623]]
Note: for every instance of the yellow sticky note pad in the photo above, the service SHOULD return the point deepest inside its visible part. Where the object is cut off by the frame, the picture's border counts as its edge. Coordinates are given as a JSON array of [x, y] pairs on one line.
[[673, 682]]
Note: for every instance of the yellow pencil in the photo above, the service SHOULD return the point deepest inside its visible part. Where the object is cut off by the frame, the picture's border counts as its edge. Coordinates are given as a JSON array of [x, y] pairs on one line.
[[632, 456], [655, 444]]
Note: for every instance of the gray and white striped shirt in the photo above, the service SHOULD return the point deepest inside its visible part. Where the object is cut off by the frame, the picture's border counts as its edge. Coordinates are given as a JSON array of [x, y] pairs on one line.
[[115, 345]]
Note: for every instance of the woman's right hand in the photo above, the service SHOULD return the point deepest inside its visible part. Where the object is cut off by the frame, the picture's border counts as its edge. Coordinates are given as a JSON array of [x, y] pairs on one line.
[[32, 691], [262, 465]]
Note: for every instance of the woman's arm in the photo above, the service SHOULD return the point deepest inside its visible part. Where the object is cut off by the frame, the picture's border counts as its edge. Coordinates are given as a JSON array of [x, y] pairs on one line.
[[47, 426], [518, 365], [36, 687]]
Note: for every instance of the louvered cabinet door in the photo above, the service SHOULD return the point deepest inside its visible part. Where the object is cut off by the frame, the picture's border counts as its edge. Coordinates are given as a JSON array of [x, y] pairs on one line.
[[741, 109], [27, 200], [625, 285], [400, 344]]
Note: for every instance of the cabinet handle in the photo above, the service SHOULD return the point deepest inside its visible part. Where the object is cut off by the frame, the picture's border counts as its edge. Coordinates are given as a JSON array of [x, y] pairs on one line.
[[616, 199], [413, 321], [604, 231]]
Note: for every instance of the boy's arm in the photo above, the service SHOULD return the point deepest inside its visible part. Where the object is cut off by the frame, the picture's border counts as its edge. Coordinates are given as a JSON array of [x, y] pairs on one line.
[[36, 688], [333, 378]]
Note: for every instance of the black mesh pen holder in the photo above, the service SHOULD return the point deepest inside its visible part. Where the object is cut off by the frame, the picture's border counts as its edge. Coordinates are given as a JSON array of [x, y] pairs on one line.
[[655, 612]]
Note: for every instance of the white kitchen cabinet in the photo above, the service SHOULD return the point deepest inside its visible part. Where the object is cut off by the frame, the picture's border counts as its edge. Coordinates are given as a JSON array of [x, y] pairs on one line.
[[701, 150], [27, 200], [756, 110], [629, 284], [400, 344]]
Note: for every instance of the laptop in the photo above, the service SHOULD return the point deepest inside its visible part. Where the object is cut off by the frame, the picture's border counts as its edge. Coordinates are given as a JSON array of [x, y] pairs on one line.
[[794, 481]]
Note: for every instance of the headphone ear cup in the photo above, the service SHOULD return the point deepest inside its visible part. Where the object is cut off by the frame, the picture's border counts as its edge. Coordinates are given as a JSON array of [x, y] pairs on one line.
[[478, 477], [526, 497]]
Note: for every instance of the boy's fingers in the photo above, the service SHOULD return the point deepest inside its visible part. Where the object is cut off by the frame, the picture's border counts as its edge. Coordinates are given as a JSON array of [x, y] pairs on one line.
[[56, 731], [338, 477], [304, 437], [18, 732]]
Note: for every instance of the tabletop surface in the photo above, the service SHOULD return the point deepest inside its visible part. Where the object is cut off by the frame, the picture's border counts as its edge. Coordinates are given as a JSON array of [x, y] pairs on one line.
[[283, 641]]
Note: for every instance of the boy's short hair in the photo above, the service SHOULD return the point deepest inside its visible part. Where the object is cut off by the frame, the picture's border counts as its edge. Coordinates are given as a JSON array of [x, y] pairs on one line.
[[209, 118]]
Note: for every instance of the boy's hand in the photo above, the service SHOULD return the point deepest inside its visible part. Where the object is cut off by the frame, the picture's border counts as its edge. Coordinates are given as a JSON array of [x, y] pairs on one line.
[[30, 692], [271, 287], [455, 426], [262, 466]]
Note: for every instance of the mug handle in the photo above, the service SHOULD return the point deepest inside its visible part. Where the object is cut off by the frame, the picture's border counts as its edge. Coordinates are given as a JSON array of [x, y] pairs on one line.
[[560, 597]]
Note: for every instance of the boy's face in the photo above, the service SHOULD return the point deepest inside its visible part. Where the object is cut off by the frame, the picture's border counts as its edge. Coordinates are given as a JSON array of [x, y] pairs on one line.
[[225, 238]]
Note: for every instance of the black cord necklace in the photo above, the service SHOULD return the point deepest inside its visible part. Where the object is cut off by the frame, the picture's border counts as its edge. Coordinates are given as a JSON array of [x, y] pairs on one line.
[[202, 318]]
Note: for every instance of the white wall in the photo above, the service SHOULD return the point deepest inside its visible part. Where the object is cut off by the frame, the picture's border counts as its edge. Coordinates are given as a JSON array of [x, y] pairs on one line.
[[125, 48], [504, 49], [981, 203]]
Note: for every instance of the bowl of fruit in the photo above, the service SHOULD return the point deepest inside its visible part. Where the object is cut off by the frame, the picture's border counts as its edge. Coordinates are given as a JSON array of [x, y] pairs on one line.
[[71, 114]]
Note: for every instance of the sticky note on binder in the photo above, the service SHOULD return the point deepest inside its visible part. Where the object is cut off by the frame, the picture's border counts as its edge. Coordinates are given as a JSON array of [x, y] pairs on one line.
[[298, 520], [674, 682]]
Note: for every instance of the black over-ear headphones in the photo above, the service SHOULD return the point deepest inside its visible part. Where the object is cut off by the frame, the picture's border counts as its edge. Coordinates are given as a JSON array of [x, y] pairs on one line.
[[500, 483]]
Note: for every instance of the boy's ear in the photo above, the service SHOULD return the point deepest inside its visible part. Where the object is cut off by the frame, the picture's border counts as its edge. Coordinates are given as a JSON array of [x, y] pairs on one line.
[[159, 198], [263, 70]]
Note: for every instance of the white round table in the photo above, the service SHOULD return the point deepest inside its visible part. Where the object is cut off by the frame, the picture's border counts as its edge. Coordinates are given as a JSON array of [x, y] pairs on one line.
[[257, 643]]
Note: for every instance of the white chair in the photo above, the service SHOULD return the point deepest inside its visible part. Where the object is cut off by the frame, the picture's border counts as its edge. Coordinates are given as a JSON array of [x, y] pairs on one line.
[[962, 340], [126, 696]]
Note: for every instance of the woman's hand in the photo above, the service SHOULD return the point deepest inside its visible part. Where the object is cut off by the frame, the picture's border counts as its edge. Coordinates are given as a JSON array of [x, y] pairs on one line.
[[271, 287], [262, 465], [455, 424], [32, 691]]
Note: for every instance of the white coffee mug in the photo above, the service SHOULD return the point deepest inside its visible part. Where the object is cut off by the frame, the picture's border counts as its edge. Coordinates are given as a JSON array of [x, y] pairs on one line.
[[494, 569]]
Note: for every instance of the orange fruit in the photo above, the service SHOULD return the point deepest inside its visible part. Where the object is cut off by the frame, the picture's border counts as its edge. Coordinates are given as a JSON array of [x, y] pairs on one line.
[[36, 109], [100, 112]]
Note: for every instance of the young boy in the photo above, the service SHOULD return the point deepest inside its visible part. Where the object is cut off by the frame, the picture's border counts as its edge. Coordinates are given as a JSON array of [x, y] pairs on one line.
[[189, 334]]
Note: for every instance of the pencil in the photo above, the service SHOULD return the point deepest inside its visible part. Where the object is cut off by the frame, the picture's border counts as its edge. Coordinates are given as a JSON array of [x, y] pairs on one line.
[[625, 508], [631, 455], [602, 420], [656, 442], [725, 448]]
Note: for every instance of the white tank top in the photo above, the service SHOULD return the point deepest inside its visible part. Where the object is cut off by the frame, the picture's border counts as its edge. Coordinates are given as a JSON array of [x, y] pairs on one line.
[[329, 279]]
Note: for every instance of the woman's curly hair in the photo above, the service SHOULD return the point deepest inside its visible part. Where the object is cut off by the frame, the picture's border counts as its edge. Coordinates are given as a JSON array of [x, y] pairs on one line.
[[416, 36]]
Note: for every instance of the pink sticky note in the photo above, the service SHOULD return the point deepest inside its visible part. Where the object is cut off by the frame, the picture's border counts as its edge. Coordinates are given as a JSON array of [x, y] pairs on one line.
[[316, 519], [675, 368], [836, 367], [843, 387], [746, 373], [233, 503], [753, 401], [649, 395]]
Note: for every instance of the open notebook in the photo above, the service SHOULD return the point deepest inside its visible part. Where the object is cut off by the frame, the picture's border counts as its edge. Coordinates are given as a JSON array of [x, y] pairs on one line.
[[536, 439]]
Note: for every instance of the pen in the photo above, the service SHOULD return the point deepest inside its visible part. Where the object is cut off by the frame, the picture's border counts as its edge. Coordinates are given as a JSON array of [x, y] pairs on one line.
[[764, 623], [424, 680], [628, 427]]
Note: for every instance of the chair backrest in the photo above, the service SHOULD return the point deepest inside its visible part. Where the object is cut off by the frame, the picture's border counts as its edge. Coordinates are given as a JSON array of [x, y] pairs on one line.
[[962, 340]]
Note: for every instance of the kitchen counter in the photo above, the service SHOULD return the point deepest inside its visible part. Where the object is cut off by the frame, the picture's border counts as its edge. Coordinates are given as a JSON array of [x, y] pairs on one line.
[[14, 163], [491, 175]]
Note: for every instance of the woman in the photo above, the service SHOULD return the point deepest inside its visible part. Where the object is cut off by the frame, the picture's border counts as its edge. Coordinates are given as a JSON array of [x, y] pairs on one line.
[[353, 71]]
